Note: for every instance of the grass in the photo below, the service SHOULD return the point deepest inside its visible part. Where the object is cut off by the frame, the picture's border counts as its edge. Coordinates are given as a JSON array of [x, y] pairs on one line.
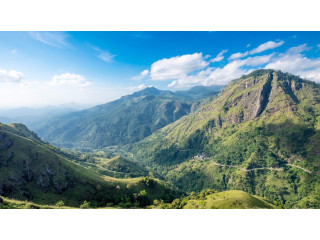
[[233, 199]]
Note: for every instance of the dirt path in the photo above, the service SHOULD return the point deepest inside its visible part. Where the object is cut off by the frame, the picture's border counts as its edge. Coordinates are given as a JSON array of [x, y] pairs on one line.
[[306, 170], [245, 169], [261, 168]]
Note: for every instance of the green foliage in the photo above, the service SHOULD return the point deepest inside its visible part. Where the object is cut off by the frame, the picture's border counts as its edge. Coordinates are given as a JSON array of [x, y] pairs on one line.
[[247, 149], [33, 170], [59, 204], [85, 205], [209, 199], [126, 120]]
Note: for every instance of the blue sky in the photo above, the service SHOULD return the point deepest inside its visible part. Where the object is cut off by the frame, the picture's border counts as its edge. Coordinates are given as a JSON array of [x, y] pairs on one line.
[[52, 68]]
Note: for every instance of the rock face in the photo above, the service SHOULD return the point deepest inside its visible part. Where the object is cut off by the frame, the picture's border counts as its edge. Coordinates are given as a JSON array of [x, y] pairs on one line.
[[253, 96]]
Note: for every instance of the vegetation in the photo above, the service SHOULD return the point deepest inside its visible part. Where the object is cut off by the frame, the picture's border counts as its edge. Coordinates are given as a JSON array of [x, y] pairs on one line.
[[256, 144], [210, 199], [32, 170], [260, 135], [127, 120]]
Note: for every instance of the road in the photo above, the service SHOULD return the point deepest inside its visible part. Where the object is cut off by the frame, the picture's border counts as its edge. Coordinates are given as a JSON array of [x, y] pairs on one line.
[[260, 168]]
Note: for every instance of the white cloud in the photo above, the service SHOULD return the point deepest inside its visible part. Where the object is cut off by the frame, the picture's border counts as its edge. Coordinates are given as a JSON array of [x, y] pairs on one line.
[[238, 55], [10, 76], [176, 67], [293, 61], [69, 79], [54, 39], [266, 46], [137, 88], [144, 72], [261, 48], [258, 60], [221, 76], [299, 49], [105, 56], [219, 57], [14, 51], [248, 45], [141, 76]]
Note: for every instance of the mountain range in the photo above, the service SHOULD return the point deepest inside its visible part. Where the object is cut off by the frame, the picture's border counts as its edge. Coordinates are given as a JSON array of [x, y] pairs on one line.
[[126, 120], [253, 144], [259, 135]]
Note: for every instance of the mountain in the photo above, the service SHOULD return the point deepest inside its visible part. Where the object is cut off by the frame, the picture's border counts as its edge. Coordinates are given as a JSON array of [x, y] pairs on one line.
[[126, 120], [35, 117], [260, 135], [33, 170], [201, 91]]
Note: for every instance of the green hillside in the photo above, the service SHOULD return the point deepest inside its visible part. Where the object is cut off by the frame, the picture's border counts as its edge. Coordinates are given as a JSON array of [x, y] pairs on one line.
[[117, 167], [210, 199], [32, 170], [260, 135], [126, 120]]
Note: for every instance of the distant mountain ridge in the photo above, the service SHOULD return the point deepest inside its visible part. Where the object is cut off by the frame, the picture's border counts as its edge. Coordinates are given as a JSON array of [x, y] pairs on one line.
[[35, 117], [126, 120]]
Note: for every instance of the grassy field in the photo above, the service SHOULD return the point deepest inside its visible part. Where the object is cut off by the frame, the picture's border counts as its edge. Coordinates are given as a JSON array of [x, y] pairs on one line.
[[232, 199]]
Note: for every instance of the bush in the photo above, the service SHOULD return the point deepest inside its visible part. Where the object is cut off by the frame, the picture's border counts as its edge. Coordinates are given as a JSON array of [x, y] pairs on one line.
[[60, 204], [85, 205]]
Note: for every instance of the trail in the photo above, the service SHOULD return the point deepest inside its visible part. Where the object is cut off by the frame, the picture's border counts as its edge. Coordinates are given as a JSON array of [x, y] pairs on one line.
[[260, 168], [245, 169], [306, 170]]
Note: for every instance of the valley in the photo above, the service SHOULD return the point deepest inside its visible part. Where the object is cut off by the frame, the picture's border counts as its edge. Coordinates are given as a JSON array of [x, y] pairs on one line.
[[253, 144]]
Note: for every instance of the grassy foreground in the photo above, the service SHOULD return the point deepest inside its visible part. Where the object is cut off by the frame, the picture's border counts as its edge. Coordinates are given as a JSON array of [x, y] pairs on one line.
[[209, 199]]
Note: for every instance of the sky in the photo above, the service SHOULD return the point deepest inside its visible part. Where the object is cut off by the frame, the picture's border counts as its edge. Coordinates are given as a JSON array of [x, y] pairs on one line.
[[53, 68]]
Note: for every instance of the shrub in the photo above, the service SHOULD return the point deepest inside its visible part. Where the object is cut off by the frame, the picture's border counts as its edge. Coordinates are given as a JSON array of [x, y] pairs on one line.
[[85, 205]]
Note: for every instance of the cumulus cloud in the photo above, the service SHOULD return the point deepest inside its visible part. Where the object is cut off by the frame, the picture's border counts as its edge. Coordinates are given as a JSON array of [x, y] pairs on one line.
[[261, 48], [177, 67], [258, 60], [69, 79], [219, 57], [141, 76], [295, 62], [221, 76], [54, 39], [10, 76]]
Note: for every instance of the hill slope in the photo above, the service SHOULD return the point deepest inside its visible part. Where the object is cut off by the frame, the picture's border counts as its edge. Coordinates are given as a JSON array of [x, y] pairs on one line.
[[261, 135], [210, 199], [127, 120], [32, 170]]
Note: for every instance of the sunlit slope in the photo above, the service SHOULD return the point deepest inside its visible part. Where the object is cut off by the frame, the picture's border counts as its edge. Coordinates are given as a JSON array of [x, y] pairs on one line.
[[266, 122], [31, 170], [126, 120]]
